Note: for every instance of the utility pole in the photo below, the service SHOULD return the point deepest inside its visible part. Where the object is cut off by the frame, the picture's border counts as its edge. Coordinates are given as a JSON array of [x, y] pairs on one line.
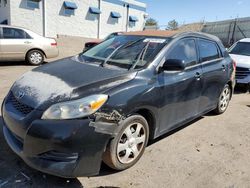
[[99, 20], [44, 18]]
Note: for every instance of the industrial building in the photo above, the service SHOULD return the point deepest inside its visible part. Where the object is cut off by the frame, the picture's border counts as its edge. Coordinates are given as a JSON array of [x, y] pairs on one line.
[[84, 18]]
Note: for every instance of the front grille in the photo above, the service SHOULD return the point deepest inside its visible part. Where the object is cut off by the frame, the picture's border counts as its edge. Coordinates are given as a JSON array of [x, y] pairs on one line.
[[20, 107], [242, 72]]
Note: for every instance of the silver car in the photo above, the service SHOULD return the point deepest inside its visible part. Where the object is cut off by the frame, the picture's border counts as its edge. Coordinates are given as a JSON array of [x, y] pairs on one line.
[[18, 44]]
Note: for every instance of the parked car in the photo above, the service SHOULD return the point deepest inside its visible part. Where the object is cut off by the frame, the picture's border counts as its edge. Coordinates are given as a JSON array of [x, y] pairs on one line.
[[93, 43], [18, 44], [240, 52], [109, 101]]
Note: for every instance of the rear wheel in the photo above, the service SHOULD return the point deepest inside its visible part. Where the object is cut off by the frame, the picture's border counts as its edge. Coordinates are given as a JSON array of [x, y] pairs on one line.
[[223, 100], [35, 57], [128, 146]]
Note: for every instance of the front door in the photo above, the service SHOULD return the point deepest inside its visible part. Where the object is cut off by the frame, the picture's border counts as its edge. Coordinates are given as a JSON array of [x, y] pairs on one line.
[[180, 91]]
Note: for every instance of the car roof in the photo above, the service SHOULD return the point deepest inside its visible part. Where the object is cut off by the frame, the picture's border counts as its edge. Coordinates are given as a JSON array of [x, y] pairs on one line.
[[11, 26], [245, 40]]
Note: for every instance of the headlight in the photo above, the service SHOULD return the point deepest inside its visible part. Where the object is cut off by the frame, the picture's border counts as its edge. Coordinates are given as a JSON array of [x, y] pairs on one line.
[[75, 109]]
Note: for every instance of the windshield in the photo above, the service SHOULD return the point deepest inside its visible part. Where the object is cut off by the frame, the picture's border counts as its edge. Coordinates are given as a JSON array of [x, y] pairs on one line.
[[241, 48], [125, 51]]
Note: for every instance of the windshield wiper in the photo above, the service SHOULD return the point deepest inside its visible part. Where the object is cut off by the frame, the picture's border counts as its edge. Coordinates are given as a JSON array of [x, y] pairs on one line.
[[141, 56], [126, 45]]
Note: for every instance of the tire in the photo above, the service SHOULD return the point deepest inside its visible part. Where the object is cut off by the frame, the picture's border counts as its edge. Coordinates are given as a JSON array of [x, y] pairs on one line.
[[35, 57], [224, 100], [130, 144]]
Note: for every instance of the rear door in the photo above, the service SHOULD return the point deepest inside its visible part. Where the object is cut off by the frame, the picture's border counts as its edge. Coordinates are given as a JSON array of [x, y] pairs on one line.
[[214, 73], [14, 43], [180, 90]]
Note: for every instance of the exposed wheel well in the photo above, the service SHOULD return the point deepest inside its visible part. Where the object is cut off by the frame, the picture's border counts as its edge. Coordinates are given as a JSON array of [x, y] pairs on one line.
[[147, 114], [35, 49]]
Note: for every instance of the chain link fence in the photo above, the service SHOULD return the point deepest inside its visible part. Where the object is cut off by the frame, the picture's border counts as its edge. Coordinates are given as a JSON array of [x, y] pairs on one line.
[[229, 31]]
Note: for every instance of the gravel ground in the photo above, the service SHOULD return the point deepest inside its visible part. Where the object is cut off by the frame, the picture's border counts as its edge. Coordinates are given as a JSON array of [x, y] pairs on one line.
[[212, 151]]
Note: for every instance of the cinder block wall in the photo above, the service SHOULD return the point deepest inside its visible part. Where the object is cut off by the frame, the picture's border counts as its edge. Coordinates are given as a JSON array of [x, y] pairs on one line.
[[23, 16], [82, 23]]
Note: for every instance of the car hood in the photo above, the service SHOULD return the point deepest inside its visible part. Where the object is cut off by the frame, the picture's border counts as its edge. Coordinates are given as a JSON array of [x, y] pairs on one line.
[[64, 80], [241, 60]]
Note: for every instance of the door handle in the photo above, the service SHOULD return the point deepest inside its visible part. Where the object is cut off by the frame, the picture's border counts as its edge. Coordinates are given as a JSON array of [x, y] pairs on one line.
[[27, 42], [198, 76], [223, 68]]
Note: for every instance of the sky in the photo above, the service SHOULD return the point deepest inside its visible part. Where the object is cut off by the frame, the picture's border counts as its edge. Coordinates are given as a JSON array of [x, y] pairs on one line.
[[189, 11]]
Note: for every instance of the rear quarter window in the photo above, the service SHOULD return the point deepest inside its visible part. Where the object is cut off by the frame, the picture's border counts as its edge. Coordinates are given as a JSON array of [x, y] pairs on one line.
[[208, 50]]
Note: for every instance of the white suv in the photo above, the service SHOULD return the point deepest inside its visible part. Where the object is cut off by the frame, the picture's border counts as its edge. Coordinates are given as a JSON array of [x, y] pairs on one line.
[[240, 53]]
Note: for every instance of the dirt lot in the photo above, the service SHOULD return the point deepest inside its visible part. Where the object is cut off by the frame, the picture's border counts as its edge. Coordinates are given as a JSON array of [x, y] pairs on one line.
[[213, 151]]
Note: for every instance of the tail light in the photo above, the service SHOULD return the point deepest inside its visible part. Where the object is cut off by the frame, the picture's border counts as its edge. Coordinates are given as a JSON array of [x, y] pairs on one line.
[[53, 44]]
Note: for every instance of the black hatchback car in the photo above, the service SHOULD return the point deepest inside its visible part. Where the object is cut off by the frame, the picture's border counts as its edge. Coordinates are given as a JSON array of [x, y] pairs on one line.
[[66, 117]]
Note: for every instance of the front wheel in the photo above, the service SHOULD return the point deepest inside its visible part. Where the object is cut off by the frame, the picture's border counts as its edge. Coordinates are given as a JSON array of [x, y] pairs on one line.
[[223, 100], [128, 146]]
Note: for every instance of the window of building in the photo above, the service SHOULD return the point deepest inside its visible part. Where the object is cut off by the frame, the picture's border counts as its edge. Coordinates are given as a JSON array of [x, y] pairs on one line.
[[208, 50], [185, 51], [5, 22], [115, 15], [69, 11], [12, 33], [5, 2], [34, 4], [94, 10], [69, 8]]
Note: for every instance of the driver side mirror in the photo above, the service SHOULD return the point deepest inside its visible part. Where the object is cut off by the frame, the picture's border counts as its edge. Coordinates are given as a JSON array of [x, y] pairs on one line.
[[173, 65]]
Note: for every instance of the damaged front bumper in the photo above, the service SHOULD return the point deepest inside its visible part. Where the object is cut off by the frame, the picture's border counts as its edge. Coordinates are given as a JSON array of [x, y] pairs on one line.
[[65, 148]]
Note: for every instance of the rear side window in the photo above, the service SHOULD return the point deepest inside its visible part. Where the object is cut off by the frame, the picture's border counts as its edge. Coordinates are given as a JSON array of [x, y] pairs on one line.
[[12, 33], [185, 50], [208, 50]]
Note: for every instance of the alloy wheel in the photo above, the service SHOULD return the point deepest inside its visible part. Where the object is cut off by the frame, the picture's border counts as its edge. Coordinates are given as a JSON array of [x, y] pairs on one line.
[[224, 99], [131, 143]]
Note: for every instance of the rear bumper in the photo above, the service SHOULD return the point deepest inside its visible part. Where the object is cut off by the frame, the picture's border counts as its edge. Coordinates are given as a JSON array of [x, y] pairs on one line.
[[65, 148], [52, 52]]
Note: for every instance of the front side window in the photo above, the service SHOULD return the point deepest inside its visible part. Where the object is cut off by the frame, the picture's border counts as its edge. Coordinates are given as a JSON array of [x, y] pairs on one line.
[[125, 51], [208, 50], [185, 51], [241, 48], [12, 33]]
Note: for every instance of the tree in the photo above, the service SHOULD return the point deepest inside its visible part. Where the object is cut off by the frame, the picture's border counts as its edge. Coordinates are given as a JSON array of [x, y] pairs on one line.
[[172, 25], [151, 22]]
